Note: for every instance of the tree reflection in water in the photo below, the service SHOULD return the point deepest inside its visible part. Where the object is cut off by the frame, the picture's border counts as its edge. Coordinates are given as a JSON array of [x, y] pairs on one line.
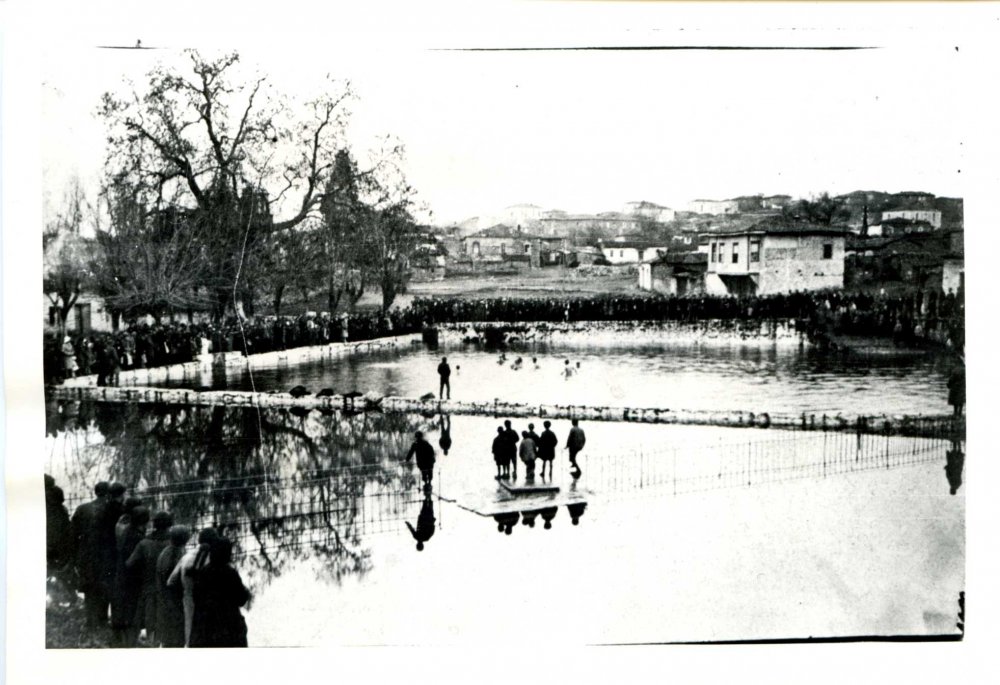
[[285, 488]]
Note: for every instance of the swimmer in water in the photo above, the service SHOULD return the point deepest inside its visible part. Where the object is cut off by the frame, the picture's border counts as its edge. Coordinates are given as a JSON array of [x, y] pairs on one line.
[[567, 369], [517, 364]]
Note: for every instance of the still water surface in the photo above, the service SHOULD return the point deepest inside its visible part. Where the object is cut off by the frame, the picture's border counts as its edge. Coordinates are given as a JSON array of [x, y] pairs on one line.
[[772, 379], [690, 533]]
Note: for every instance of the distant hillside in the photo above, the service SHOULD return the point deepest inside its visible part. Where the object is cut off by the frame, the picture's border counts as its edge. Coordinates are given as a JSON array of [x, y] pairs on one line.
[[952, 209]]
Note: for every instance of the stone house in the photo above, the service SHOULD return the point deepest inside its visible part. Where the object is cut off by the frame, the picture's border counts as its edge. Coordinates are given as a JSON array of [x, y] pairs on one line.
[[505, 244], [674, 274], [774, 256]]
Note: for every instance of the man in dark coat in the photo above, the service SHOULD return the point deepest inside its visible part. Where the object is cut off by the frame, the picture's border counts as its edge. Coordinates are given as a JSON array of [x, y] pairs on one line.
[[87, 536], [956, 388], [512, 440], [547, 442], [59, 539], [574, 443], [142, 566], [500, 454], [444, 371], [127, 586], [425, 457], [218, 595], [170, 610]]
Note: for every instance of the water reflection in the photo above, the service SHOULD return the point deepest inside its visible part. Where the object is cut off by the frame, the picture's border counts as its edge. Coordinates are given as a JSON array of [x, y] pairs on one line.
[[444, 425], [282, 487], [747, 377], [506, 521], [425, 522], [954, 465]]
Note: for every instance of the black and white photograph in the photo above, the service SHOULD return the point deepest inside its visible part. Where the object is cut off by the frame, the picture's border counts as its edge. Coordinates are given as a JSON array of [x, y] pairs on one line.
[[522, 341]]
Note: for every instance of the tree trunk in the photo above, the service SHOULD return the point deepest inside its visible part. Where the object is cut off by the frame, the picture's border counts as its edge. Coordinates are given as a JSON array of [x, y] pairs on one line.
[[276, 303], [388, 293]]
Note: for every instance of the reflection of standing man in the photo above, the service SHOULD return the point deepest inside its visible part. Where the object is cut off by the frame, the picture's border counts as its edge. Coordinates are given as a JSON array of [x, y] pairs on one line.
[[953, 467], [444, 371], [574, 443], [445, 441], [425, 524]]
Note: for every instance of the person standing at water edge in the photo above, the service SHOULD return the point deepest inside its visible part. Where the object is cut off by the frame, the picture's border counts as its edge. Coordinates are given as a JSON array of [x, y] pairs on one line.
[[547, 442], [444, 371], [170, 610], [142, 566], [956, 387], [425, 457], [86, 530], [511, 435], [181, 575], [500, 454], [574, 443], [528, 453], [218, 595]]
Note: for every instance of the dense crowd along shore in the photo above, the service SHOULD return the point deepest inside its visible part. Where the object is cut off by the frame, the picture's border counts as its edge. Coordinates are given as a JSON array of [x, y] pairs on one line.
[[919, 318]]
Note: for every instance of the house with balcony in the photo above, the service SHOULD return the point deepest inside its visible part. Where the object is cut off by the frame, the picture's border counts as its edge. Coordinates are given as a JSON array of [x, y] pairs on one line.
[[776, 255]]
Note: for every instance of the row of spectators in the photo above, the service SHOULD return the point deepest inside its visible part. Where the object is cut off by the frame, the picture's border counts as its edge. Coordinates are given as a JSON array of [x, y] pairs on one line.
[[154, 590], [910, 318]]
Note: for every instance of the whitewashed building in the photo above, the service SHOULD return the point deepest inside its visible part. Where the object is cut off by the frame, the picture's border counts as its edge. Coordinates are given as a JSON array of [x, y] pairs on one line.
[[630, 251], [715, 207], [931, 216]]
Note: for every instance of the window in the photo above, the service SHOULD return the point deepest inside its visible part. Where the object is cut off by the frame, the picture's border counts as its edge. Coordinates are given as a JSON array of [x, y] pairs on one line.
[[827, 250], [621, 253], [736, 253], [527, 248], [503, 249], [754, 250], [475, 249], [715, 247]]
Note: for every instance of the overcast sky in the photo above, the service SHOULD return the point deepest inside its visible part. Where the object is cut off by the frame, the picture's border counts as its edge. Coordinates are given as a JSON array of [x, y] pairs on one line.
[[589, 131]]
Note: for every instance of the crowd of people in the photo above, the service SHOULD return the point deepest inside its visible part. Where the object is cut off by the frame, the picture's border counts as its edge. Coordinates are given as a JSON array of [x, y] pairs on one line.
[[913, 318], [534, 447], [143, 587]]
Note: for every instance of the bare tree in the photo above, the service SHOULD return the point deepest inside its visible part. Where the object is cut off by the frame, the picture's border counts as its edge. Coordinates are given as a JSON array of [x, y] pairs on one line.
[[228, 150], [147, 261]]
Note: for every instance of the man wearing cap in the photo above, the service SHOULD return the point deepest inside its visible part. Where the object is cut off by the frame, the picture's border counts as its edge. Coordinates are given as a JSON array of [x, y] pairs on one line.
[[547, 442], [142, 565], [86, 532], [444, 371], [170, 609]]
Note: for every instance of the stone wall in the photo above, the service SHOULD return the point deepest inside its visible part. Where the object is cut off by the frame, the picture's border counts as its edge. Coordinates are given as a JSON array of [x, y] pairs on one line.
[[630, 333], [201, 370], [796, 263]]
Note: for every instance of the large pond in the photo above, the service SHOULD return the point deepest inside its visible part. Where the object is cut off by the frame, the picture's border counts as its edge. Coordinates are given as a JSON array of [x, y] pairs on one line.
[[707, 377], [688, 534]]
